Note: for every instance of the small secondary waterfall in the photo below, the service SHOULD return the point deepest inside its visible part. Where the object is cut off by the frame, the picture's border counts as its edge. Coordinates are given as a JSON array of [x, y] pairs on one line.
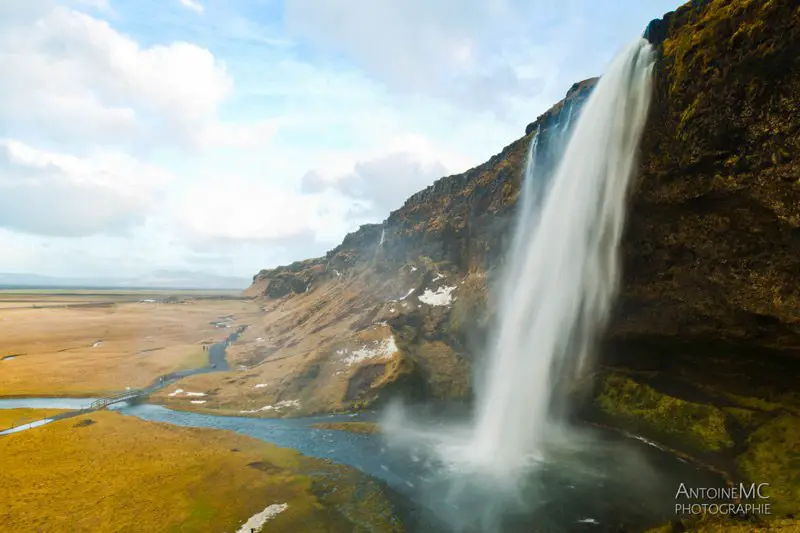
[[562, 271]]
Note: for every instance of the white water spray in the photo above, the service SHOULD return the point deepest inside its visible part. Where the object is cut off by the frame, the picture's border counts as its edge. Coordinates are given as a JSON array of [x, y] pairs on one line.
[[562, 271]]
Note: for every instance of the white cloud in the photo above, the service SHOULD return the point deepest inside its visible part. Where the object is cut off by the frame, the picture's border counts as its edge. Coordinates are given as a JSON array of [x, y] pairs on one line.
[[377, 186], [250, 211], [76, 79], [57, 194], [473, 52], [144, 137], [194, 5]]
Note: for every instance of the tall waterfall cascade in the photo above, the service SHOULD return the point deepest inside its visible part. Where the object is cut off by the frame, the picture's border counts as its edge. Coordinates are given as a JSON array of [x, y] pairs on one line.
[[562, 271], [560, 278]]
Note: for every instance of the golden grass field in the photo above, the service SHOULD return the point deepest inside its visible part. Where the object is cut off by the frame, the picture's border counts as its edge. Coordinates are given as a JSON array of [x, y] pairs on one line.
[[353, 427], [119, 473], [18, 417], [53, 339]]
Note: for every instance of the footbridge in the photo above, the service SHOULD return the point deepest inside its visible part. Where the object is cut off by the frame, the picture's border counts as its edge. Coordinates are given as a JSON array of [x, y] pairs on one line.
[[130, 394]]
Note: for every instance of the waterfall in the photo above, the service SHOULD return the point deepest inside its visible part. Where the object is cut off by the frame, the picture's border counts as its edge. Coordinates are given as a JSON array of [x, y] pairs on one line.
[[562, 272], [559, 281], [383, 237]]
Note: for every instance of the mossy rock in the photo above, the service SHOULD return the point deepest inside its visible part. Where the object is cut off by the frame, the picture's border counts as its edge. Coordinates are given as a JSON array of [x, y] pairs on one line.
[[773, 456], [717, 524], [703, 427]]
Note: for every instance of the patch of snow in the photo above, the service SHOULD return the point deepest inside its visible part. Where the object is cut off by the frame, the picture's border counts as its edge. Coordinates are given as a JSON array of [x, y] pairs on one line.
[[195, 394], [338, 274], [198, 401], [438, 277], [392, 310], [385, 348], [413, 268], [588, 521], [278, 406], [175, 393], [96, 344], [148, 301], [9, 357], [442, 296], [260, 339], [257, 521], [260, 385], [407, 295]]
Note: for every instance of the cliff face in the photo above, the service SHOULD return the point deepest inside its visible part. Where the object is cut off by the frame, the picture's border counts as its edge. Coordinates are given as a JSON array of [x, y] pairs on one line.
[[713, 244], [402, 302], [712, 249], [709, 311]]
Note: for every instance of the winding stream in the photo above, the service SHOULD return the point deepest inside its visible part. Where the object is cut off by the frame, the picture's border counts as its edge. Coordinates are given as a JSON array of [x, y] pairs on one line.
[[600, 481], [610, 482]]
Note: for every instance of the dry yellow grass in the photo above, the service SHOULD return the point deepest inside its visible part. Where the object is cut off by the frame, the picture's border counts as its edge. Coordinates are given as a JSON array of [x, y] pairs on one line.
[[139, 342], [353, 427], [123, 474], [18, 417]]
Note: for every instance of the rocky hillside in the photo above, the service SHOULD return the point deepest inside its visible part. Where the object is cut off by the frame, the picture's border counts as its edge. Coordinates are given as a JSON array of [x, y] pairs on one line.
[[702, 353]]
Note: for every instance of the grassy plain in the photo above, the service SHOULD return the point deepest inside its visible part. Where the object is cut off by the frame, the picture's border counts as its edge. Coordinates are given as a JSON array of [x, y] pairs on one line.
[[17, 417], [109, 472], [353, 427], [90, 342]]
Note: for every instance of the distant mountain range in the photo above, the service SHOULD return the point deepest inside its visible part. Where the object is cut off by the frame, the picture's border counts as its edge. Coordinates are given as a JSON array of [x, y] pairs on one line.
[[160, 279]]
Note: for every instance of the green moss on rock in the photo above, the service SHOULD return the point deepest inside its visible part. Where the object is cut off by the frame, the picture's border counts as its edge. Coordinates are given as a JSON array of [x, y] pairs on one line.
[[642, 407], [773, 456]]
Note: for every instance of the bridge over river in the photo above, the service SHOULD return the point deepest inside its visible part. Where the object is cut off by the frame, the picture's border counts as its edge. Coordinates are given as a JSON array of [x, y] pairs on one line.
[[216, 362], [128, 395]]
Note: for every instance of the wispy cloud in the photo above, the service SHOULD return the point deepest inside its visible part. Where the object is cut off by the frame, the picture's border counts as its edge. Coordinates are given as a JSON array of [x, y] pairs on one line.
[[143, 136], [194, 5]]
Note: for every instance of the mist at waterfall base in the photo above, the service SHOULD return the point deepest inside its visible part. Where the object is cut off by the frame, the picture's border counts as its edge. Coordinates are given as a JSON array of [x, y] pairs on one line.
[[515, 452]]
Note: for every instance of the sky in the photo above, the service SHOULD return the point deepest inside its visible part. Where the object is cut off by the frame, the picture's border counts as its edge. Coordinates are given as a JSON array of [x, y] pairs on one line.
[[226, 136]]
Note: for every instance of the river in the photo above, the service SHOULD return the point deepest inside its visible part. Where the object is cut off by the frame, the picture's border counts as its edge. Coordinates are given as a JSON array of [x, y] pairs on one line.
[[613, 482], [602, 482]]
